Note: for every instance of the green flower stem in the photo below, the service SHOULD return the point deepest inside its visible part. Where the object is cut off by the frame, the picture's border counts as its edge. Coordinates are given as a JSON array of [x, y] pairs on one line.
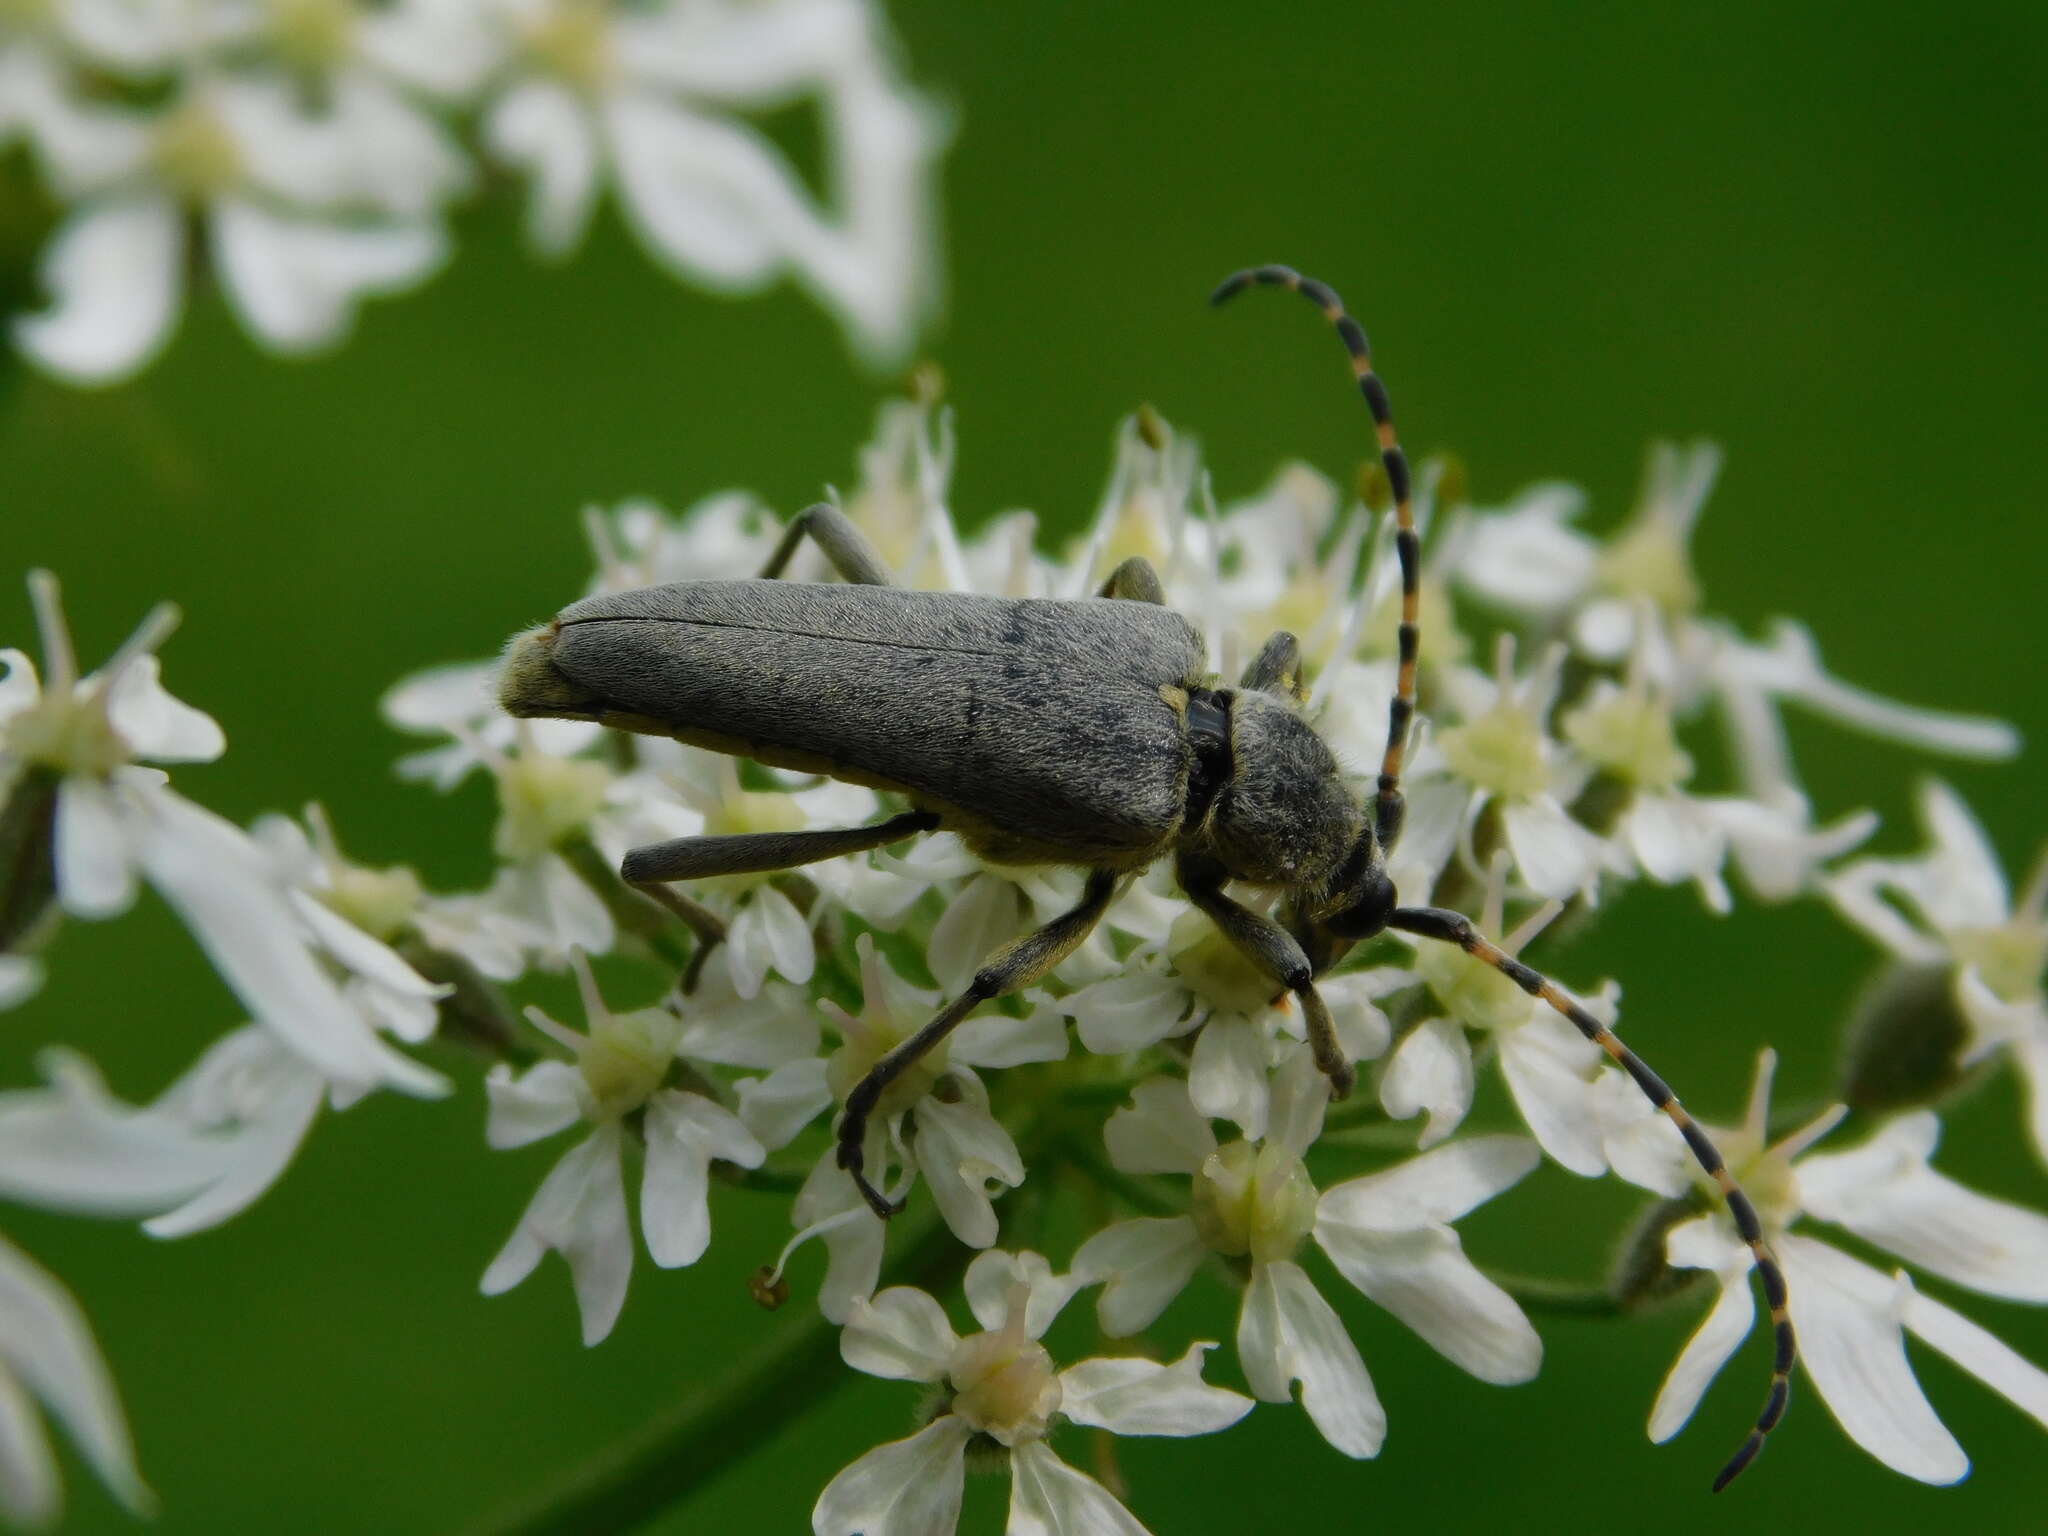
[[634, 912], [475, 1012], [28, 877], [1558, 1298], [711, 1432]]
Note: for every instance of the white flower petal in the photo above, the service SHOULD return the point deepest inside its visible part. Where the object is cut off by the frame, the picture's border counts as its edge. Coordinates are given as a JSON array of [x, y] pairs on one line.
[[1143, 1397], [901, 1334], [115, 274], [997, 1040], [1299, 1095], [1431, 1071], [44, 1340], [709, 197], [1437, 1186], [94, 849], [1227, 1075], [30, 1494], [995, 1275], [1050, 1498], [269, 1138], [685, 1132], [1127, 1013], [1886, 1194], [1424, 1279], [2017, 1380], [1710, 1347], [1287, 1333], [1143, 1265], [21, 977], [156, 725], [982, 918], [1551, 1081], [854, 1238], [1847, 1318], [1556, 856], [1159, 1132], [295, 281], [906, 1488], [540, 1101], [358, 952], [960, 1148], [777, 1107], [580, 1212]]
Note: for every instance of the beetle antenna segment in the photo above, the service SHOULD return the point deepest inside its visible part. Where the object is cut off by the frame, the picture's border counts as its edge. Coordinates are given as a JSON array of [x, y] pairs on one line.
[[1452, 928], [1387, 815]]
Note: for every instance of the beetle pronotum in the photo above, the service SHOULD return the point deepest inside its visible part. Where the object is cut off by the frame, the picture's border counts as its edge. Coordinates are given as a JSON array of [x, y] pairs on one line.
[[1082, 733]]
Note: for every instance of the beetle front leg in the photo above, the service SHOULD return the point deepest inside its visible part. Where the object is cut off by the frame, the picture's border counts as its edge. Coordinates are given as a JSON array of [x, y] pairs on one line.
[[1273, 950], [852, 556], [1017, 964]]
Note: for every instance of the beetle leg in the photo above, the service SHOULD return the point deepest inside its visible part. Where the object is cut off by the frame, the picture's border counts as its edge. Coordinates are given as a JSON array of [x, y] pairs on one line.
[[1277, 668], [1135, 581], [852, 556], [701, 858], [1273, 950], [1017, 964]]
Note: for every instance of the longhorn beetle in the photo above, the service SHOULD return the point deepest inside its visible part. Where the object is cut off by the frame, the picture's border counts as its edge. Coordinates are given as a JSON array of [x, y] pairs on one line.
[[1081, 733]]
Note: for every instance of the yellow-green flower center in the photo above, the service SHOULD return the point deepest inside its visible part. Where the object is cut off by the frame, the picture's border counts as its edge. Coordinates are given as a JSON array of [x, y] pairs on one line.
[[1500, 749], [1254, 1198], [572, 39], [1631, 736], [312, 34], [1649, 561], [378, 901], [68, 733], [1004, 1385], [626, 1058], [194, 152], [2010, 956], [1216, 969], [1473, 992], [543, 799]]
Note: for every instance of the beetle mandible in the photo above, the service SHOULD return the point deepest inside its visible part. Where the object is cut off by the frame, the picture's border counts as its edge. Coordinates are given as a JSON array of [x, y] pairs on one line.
[[1080, 733]]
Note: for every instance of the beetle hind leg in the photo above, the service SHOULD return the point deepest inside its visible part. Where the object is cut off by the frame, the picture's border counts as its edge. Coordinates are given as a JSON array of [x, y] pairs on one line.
[[1017, 964], [703, 858], [852, 556]]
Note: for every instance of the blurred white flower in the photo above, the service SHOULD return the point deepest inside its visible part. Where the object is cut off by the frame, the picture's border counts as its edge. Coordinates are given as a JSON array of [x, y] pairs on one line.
[[1389, 1234], [1995, 948], [651, 100], [1851, 1318], [1001, 1384], [47, 1353]]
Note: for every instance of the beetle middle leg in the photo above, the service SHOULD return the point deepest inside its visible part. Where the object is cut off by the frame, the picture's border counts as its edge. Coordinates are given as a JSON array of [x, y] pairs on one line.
[[852, 556], [1277, 668], [702, 858], [1135, 581], [1276, 952], [1017, 964]]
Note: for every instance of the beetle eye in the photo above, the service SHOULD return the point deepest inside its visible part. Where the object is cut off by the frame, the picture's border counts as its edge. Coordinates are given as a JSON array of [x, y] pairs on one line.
[[1367, 915]]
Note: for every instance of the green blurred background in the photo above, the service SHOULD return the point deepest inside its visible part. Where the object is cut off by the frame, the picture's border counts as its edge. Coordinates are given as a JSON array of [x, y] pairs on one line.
[[1813, 232]]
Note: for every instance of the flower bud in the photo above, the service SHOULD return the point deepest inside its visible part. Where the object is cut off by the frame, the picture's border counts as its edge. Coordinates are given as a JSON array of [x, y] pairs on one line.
[[1905, 1041]]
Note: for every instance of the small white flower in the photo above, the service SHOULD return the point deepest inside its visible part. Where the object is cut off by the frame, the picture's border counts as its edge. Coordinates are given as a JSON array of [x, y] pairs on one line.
[[621, 1068], [1001, 1385], [648, 99], [47, 1352], [117, 825], [1967, 922], [1852, 1318], [1389, 1234], [1551, 1069], [1502, 753]]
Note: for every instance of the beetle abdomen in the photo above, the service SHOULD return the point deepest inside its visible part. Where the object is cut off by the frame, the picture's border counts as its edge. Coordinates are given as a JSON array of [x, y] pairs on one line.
[[1036, 728]]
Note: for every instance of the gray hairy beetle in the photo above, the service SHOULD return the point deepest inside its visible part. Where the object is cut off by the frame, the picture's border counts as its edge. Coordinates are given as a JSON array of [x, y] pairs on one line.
[[1081, 733]]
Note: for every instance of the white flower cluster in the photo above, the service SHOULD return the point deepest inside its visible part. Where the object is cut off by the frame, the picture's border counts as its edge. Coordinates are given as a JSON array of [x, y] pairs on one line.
[[317, 148], [1181, 1092]]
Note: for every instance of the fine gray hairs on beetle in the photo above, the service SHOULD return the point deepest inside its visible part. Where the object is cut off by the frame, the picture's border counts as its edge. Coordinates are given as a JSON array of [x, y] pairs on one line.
[[1082, 733]]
